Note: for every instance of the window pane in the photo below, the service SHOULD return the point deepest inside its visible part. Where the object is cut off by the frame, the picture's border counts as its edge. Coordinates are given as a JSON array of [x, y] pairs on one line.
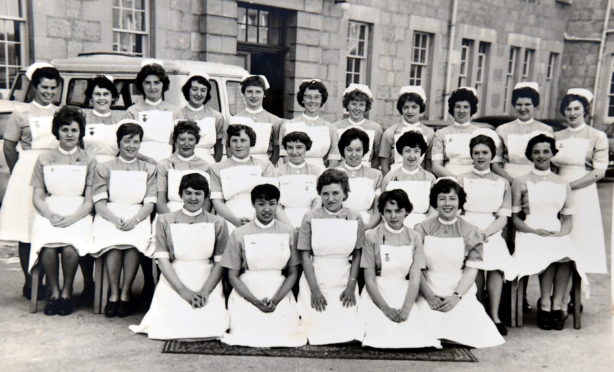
[[139, 22], [241, 32], [139, 4], [263, 35], [128, 3], [252, 34], [14, 57], [13, 8], [116, 18], [264, 18], [235, 99], [241, 18], [252, 17], [274, 36]]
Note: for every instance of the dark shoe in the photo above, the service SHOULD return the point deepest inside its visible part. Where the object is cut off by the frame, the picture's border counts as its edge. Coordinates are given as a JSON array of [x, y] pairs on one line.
[[558, 320], [110, 310], [544, 319], [123, 309], [570, 308], [52, 307], [526, 308], [501, 328], [65, 306], [88, 293]]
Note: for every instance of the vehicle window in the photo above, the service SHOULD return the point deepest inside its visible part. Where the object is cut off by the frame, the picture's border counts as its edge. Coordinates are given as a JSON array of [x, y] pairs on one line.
[[214, 103], [23, 91], [127, 93], [76, 93], [235, 98]]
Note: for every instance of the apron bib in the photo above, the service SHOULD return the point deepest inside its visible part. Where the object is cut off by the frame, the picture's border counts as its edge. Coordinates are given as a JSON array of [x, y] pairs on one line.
[[157, 125], [417, 191], [444, 261], [42, 137], [208, 133], [370, 133], [483, 196], [362, 193], [263, 137], [319, 135], [572, 151], [174, 179], [101, 139], [297, 194]]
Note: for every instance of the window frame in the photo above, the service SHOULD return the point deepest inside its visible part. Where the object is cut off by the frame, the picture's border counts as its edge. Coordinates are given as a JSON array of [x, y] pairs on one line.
[[419, 73], [134, 34], [360, 75], [510, 75], [19, 42]]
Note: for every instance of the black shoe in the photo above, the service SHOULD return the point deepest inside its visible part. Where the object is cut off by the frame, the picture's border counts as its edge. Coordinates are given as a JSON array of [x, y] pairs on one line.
[[123, 309], [52, 307], [88, 293], [501, 328], [544, 319], [570, 308], [65, 306], [558, 320], [110, 310]]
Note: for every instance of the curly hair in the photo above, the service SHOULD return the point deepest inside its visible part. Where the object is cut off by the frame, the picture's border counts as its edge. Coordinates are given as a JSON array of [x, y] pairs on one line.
[[50, 73], [195, 181], [331, 176], [483, 140], [350, 135], [311, 84], [66, 115], [103, 82], [411, 139], [398, 196], [460, 95], [356, 95], [569, 98], [152, 69], [185, 89], [445, 186], [186, 126], [410, 97]]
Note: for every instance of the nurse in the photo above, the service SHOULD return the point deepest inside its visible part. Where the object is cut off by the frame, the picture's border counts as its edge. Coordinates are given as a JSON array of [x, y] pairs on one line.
[[357, 101], [329, 238], [488, 207], [122, 228], [262, 309], [197, 91], [154, 114], [312, 96], [412, 178], [393, 260], [297, 179], [263, 123], [62, 226], [188, 301], [411, 105], [365, 182], [452, 248], [450, 153], [29, 127]]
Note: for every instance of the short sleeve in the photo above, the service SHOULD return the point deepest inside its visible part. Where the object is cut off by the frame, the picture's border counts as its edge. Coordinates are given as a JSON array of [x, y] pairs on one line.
[[438, 150], [221, 238], [14, 126], [333, 151], [385, 146], [162, 176], [304, 235], [101, 183], [360, 232], [151, 192], [38, 178], [367, 259], [498, 158], [474, 246], [378, 181], [233, 257], [419, 261], [601, 151], [161, 240], [421, 231]]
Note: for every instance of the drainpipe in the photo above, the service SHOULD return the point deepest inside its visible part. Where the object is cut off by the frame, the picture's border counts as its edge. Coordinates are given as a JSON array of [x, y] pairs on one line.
[[451, 37], [604, 36]]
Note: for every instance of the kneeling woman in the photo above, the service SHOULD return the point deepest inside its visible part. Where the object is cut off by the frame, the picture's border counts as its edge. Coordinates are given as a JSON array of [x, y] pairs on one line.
[[62, 183], [328, 237], [124, 196], [452, 248], [393, 253], [188, 301], [262, 310]]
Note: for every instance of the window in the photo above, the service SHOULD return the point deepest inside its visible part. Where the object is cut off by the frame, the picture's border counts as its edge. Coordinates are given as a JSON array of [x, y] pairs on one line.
[[550, 73], [420, 59], [12, 40], [509, 76], [258, 25], [465, 62], [481, 68], [357, 53], [527, 65], [235, 98], [130, 26]]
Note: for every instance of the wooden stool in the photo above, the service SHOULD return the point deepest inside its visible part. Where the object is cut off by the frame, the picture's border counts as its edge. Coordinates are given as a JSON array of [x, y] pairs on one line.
[[35, 274]]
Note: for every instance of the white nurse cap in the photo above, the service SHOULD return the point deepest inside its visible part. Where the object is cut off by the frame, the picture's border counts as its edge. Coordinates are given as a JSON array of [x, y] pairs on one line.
[[447, 178], [582, 93], [243, 120], [198, 73], [470, 89], [527, 84], [359, 87], [416, 89], [128, 121], [310, 81], [35, 66], [105, 76], [262, 77], [152, 61]]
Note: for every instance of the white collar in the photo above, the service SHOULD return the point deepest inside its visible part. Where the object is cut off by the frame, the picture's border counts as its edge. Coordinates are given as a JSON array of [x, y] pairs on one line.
[[296, 166], [67, 152], [100, 114], [524, 122], [349, 167], [410, 125], [200, 108], [356, 123], [390, 229], [257, 111], [189, 158], [41, 106], [191, 214], [447, 222], [152, 103], [464, 125], [332, 213], [410, 172], [481, 172], [263, 226], [245, 160], [126, 161], [538, 172], [578, 128], [310, 118]]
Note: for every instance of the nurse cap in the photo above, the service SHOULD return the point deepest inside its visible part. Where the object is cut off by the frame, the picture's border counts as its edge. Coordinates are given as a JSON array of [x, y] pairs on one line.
[[35, 66], [310, 81], [415, 89], [359, 87], [470, 89], [244, 120], [262, 77], [447, 178], [105, 76], [128, 121], [582, 93], [527, 84], [199, 73], [152, 61]]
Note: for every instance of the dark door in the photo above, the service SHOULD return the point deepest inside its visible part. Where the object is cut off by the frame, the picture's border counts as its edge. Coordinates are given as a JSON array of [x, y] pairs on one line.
[[270, 65]]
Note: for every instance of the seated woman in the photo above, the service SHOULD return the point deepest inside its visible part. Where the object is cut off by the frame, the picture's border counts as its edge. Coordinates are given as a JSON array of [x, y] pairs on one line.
[[186, 136], [262, 309], [62, 182], [393, 260], [297, 178], [328, 237], [124, 194], [411, 177], [188, 301], [488, 206], [543, 243], [365, 182], [452, 248]]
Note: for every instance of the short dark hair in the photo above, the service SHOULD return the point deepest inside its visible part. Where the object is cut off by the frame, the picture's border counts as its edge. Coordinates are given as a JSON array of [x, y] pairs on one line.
[[253, 80], [152, 69], [444, 186], [540, 138], [129, 129], [357, 95], [185, 89], [196, 181], [65, 115], [186, 126], [301, 137], [103, 82], [411, 139], [483, 140], [330, 176], [311, 84], [569, 98], [525, 92], [235, 130], [398, 196], [50, 73], [462, 94], [264, 191], [350, 135], [410, 97]]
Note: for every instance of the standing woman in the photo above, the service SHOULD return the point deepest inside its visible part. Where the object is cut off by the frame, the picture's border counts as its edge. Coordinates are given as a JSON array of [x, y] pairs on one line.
[[62, 183], [188, 301], [312, 95], [488, 207], [329, 238], [29, 127], [197, 91], [452, 248], [153, 113], [411, 105], [122, 229], [582, 159], [357, 101], [451, 144]]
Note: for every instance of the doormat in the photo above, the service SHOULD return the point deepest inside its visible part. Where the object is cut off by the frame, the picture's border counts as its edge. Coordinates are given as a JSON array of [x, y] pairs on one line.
[[344, 351]]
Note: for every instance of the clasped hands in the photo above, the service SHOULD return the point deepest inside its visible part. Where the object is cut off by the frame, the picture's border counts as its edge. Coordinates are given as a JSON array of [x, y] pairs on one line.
[[443, 304]]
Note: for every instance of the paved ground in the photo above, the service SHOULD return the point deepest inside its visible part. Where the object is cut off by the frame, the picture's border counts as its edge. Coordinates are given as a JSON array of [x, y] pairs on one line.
[[88, 342]]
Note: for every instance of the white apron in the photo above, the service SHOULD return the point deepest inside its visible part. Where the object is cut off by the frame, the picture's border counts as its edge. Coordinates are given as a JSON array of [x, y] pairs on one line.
[[392, 284], [65, 184], [124, 202], [458, 154], [263, 138], [173, 180], [467, 323], [208, 138], [418, 193], [361, 196], [158, 128], [297, 193], [100, 140], [519, 164], [266, 255], [320, 138], [366, 159], [170, 316], [332, 241], [237, 183]]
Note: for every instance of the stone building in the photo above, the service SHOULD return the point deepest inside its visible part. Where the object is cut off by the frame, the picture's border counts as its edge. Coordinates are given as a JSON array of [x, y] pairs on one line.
[[439, 44]]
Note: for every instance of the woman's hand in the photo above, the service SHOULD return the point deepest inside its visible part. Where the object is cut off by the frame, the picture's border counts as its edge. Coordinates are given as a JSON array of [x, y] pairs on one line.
[[449, 303], [484, 236], [193, 298], [391, 314], [544, 232], [404, 313], [348, 296], [263, 305], [244, 220], [434, 302], [318, 301], [130, 224], [56, 220]]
